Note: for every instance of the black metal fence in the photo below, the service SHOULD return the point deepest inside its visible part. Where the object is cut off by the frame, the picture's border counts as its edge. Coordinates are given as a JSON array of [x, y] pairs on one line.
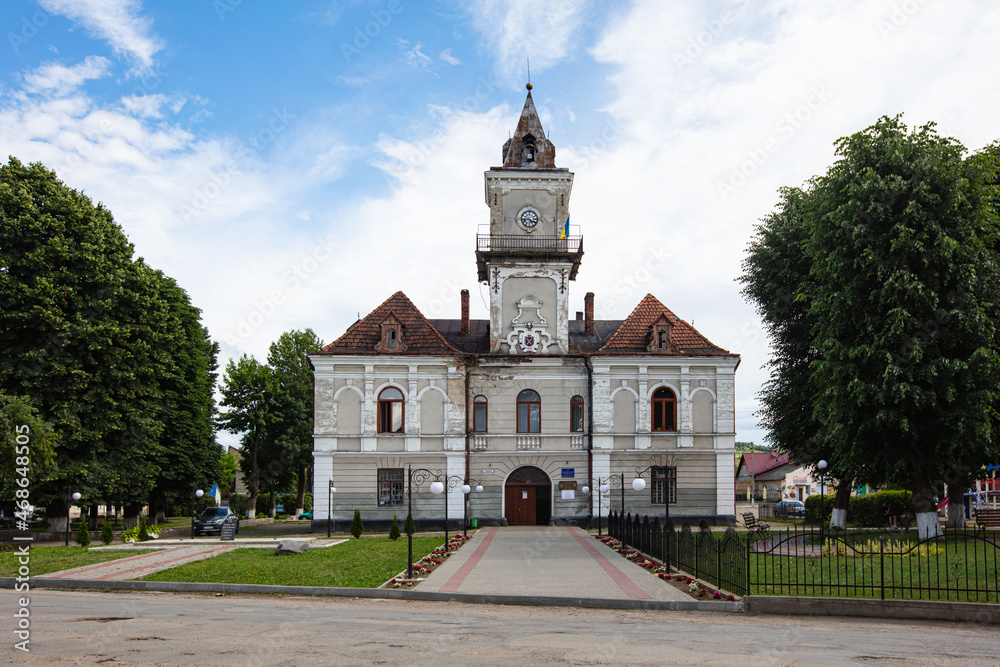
[[960, 566]]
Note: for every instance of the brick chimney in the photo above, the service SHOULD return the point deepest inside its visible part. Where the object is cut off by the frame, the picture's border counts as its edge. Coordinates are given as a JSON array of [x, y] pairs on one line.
[[465, 312], [579, 315], [588, 307]]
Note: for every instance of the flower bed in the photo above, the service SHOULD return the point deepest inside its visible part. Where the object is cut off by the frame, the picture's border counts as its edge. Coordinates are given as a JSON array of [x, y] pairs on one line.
[[682, 582], [427, 564]]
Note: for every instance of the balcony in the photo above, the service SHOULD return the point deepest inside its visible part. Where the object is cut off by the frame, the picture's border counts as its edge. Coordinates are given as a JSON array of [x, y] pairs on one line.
[[531, 247], [526, 443]]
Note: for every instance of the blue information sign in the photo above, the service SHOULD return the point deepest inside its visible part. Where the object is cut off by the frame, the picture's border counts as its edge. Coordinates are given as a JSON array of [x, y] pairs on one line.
[[568, 472]]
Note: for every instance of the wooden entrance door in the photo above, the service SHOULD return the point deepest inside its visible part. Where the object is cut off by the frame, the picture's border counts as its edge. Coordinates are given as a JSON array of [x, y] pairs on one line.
[[527, 497]]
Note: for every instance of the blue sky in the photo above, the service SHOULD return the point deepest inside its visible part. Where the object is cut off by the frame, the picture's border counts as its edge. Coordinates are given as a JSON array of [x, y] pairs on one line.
[[294, 164]]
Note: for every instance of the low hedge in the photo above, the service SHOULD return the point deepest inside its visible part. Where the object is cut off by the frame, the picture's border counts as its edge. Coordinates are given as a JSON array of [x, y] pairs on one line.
[[867, 511]]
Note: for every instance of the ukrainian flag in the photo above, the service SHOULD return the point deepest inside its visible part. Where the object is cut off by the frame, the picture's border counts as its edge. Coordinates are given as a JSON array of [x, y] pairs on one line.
[[564, 232]]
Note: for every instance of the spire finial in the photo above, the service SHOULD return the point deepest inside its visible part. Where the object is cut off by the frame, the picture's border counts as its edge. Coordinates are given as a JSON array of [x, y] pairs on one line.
[[529, 72]]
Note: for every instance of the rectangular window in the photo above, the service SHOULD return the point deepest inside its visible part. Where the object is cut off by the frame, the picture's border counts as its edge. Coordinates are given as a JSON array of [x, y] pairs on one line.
[[661, 474], [390, 486], [390, 417], [576, 415]]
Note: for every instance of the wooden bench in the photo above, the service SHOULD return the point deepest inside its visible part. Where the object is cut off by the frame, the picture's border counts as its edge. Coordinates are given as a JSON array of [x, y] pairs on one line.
[[753, 525], [988, 518]]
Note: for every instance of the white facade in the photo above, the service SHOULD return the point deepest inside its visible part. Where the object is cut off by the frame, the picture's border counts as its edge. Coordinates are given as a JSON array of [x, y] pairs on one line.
[[532, 405]]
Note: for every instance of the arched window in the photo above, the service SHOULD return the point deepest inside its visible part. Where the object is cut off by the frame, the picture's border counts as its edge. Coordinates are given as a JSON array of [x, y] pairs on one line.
[[390, 411], [529, 412], [480, 411], [664, 410], [576, 414]]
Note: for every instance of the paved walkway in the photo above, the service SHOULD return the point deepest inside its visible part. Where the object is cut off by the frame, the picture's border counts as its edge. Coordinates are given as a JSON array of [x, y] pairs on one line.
[[551, 561]]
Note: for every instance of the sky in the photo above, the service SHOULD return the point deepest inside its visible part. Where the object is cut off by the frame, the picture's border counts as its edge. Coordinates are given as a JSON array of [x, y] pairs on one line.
[[292, 165]]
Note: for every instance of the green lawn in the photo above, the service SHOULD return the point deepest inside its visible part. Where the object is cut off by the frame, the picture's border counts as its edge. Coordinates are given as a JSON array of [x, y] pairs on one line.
[[45, 560], [359, 563]]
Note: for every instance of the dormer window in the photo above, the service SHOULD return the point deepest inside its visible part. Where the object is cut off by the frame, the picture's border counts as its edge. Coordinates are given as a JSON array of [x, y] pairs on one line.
[[659, 336], [391, 338]]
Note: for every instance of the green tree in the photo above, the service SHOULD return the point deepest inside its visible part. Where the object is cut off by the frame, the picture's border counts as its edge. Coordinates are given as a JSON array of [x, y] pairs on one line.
[[107, 534], [252, 400], [886, 357], [287, 359], [83, 535], [228, 465], [79, 333], [27, 449], [357, 527], [394, 529]]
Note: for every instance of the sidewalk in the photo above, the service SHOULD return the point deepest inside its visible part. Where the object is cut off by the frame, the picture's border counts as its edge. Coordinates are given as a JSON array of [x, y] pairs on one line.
[[545, 561]]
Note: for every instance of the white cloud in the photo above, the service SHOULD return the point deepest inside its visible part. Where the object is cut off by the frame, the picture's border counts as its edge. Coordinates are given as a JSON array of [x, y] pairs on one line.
[[146, 106], [117, 22], [518, 29], [414, 56], [445, 56], [57, 79]]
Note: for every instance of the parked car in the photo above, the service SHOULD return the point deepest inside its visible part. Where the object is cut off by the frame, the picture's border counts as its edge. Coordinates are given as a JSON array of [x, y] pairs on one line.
[[790, 508], [306, 515], [211, 520]]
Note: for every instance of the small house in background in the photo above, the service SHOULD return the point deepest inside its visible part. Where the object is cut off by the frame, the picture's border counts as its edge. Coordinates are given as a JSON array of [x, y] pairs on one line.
[[773, 476]]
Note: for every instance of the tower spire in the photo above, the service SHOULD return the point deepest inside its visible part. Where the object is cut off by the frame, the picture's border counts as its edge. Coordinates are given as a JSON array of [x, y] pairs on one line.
[[529, 147]]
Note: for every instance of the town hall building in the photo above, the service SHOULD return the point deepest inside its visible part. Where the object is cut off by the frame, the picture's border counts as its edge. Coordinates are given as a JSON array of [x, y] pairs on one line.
[[533, 406]]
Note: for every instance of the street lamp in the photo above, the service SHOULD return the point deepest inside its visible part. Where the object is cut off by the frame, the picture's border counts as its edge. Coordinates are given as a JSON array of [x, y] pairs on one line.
[[639, 484], [415, 478], [69, 498], [195, 494], [466, 490], [603, 486], [822, 471], [329, 511]]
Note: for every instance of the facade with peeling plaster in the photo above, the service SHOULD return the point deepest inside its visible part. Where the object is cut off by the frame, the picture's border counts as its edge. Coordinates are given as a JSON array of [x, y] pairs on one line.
[[534, 406]]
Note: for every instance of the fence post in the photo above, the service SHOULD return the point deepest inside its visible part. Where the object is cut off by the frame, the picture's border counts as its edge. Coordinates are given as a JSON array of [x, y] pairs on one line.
[[718, 563], [881, 558]]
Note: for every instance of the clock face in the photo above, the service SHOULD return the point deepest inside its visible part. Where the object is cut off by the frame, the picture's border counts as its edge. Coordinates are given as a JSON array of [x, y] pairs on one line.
[[529, 219]]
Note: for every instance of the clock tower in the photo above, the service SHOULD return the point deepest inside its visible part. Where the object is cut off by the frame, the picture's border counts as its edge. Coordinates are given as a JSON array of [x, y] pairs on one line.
[[530, 253]]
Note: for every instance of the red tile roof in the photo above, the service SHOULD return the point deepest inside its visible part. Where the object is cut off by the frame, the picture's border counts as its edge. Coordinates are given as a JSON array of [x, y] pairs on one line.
[[632, 337], [419, 335], [761, 462]]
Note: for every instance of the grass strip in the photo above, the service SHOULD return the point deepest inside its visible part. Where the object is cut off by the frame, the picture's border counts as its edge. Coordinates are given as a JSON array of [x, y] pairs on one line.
[[46, 560], [358, 563]]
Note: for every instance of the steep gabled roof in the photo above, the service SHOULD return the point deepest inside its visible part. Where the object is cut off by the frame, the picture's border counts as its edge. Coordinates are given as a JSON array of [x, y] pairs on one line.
[[759, 463], [419, 334], [632, 337], [528, 123]]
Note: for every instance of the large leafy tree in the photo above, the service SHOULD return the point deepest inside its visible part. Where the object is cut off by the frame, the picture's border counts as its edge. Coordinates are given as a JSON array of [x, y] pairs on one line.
[[899, 238], [287, 358], [188, 453], [75, 331], [27, 449], [109, 350], [252, 402]]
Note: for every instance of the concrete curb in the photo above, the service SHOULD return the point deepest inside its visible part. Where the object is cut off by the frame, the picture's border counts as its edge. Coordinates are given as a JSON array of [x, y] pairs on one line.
[[967, 612], [381, 593]]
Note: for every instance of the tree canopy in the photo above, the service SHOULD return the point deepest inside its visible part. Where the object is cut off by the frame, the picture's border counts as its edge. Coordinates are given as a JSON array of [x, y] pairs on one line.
[[879, 286], [100, 343]]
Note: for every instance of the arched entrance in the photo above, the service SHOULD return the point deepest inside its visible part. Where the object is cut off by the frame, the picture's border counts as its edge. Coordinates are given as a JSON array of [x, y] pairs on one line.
[[528, 497]]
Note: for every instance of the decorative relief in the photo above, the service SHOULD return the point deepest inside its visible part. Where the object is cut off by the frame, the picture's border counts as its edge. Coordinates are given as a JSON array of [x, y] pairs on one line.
[[529, 334]]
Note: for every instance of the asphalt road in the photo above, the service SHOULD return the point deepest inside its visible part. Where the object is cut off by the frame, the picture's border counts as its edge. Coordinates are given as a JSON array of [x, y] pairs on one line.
[[88, 628]]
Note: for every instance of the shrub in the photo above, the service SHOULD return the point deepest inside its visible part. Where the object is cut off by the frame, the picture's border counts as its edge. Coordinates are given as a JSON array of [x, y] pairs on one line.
[[813, 504], [107, 535], [307, 502], [357, 528], [703, 524], [83, 535], [394, 529], [143, 532], [238, 502], [408, 527]]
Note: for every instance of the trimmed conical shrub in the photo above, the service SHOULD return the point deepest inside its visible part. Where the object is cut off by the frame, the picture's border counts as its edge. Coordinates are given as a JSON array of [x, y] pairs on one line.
[[107, 535], [408, 526], [357, 528], [394, 530], [83, 535], [143, 535]]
